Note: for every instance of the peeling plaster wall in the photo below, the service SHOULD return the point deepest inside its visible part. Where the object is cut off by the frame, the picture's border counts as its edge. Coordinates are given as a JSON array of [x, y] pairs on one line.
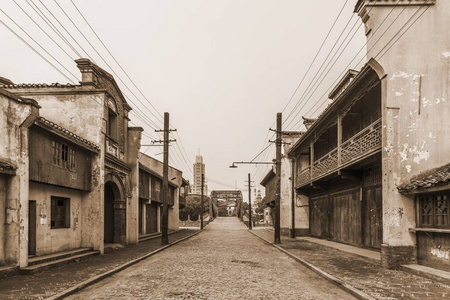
[[415, 105], [93, 206], [50, 240], [79, 112], [15, 117], [286, 192], [134, 143]]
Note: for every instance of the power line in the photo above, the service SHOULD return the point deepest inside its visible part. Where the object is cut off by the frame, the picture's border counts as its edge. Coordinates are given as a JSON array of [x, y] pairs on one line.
[[37, 52], [101, 41], [345, 70], [45, 32], [315, 57], [49, 23], [38, 44]]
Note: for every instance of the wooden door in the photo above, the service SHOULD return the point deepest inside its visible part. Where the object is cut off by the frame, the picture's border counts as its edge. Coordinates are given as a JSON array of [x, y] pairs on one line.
[[141, 204], [345, 217], [32, 227], [318, 216], [373, 219], [151, 218]]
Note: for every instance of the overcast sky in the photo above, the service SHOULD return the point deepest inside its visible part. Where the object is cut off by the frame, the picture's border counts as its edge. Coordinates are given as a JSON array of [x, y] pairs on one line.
[[221, 68]]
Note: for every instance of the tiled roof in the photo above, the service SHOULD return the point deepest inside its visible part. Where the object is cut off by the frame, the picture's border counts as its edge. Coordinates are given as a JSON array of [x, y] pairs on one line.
[[68, 133], [427, 179], [35, 85]]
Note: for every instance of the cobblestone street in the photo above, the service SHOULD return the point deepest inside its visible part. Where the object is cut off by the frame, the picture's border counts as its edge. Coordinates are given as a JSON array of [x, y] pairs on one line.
[[223, 262]]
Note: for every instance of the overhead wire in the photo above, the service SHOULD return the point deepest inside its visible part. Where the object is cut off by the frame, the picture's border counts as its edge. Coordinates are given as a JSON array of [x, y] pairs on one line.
[[338, 78]]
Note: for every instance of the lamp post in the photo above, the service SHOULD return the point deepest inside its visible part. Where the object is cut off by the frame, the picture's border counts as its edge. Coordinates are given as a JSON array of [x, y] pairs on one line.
[[233, 166]]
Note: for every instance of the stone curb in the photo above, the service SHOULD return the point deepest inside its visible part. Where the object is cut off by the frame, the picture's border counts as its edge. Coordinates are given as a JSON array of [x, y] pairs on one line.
[[95, 279], [339, 283]]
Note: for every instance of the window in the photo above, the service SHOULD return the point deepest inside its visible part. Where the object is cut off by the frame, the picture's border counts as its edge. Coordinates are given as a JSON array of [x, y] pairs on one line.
[[56, 153], [60, 214], [433, 210], [63, 156], [111, 129]]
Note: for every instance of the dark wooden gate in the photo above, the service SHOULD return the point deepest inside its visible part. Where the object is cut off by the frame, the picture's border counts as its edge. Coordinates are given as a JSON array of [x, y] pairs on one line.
[[151, 218], [318, 216], [345, 217], [32, 227], [373, 219]]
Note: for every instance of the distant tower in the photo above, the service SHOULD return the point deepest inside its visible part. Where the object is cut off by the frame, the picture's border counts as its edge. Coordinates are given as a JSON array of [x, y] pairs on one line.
[[199, 169]]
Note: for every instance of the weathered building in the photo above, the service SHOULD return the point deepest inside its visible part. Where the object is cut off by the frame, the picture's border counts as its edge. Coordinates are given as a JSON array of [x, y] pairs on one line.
[[60, 185], [17, 114], [374, 165], [150, 195], [79, 186], [269, 183]]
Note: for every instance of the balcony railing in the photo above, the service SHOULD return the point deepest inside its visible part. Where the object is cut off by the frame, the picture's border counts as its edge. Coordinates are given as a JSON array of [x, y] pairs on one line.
[[325, 164], [363, 142], [304, 175], [357, 147]]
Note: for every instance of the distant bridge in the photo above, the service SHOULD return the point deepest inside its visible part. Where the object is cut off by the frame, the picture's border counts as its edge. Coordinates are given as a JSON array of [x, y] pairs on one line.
[[226, 203]]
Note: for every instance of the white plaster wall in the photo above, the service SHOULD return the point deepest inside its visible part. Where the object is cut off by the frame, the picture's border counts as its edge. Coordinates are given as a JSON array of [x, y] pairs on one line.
[[286, 192], [50, 240], [81, 113], [416, 135]]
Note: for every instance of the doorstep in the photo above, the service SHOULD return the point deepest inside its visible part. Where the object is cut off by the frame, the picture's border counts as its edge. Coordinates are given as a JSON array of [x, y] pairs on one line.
[[428, 272], [45, 262], [371, 254]]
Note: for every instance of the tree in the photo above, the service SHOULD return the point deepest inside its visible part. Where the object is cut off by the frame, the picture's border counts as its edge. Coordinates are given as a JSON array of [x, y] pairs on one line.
[[193, 209]]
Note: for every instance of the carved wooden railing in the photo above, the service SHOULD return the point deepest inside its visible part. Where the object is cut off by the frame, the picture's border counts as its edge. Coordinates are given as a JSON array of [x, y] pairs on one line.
[[362, 143], [303, 177], [326, 164], [359, 145]]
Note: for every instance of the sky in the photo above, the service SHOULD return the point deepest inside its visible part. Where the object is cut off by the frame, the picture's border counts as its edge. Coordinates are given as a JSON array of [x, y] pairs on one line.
[[222, 69]]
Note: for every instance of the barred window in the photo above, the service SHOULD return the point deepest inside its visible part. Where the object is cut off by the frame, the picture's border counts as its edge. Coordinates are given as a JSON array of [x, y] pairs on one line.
[[63, 156], [433, 211]]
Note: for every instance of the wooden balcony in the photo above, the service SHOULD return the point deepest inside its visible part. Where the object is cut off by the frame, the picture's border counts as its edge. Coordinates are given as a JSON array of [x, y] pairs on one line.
[[361, 145]]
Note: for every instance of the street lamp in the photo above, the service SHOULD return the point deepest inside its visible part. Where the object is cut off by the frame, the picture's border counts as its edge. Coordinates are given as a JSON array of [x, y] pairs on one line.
[[233, 166]]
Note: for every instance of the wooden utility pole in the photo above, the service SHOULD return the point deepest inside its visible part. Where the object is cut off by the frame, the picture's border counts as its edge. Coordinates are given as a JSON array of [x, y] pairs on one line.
[[201, 203], [165, 187], [277, 239], [249, 203]]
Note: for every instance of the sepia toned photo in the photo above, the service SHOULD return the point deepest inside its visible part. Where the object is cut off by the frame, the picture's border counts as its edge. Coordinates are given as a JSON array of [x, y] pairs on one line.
[[224, 149]]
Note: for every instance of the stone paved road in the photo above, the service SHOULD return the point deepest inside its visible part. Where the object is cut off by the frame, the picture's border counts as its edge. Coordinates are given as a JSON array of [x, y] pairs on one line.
[[223, 262]]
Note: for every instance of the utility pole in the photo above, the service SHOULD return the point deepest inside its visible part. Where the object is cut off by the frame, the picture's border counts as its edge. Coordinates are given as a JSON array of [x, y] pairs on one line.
[[201, 203], [277, 239], [165, 187], [249, 202]]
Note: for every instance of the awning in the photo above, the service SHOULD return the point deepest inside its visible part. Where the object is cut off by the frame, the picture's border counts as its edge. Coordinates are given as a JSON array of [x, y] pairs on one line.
[[433, 180]]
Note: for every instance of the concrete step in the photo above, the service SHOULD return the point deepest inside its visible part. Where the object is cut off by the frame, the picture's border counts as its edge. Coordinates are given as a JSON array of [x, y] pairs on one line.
[[35, 260], [55, 263]]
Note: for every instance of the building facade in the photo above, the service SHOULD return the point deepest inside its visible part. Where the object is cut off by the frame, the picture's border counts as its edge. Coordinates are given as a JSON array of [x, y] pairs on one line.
[[150, 195], [78, 162], [373, 167]]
